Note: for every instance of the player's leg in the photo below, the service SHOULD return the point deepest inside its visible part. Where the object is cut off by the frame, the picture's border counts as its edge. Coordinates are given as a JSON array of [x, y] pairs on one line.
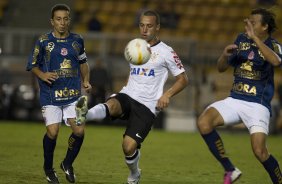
[[139, 125], [207, 122], [112, 108], [132, 156], [74, 142], [52, 116], [258, 141]]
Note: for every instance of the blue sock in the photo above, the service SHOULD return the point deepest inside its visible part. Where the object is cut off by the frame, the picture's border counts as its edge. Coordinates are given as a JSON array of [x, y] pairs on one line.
[[272, 167], [215, 145], [75, 143], [48, 148]]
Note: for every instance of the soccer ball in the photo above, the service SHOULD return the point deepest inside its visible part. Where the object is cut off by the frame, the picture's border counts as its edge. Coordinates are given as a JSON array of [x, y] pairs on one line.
[[137, 51]]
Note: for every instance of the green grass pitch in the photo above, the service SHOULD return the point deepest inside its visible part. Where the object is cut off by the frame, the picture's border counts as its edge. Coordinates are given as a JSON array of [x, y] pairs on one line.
[[166, 157]]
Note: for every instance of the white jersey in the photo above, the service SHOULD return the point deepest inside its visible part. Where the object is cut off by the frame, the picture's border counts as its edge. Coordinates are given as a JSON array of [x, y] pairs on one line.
[[146, 82]]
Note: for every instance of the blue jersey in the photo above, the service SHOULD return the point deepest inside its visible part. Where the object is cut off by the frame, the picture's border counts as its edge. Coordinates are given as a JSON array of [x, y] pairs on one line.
[[253, 75], [64, 57]]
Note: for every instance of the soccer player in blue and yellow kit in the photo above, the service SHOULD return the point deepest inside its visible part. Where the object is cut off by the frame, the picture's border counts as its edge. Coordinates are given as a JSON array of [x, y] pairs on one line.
[[59, 62], [253, 56]]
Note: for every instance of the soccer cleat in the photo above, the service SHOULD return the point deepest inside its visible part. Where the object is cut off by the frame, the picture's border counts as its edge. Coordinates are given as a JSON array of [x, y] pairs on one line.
[[81, 110], [70, 176], [51, 176], [231, 176], [136, 180]]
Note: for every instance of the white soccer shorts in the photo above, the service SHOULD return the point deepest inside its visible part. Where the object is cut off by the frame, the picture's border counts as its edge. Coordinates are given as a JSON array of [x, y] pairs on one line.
[[255, 116], [55, 114]]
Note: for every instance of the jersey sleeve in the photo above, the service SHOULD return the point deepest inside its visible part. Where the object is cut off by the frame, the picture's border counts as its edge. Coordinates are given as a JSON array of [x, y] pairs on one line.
[[36, 56], [174, 63], [278, 50], [82, 58]]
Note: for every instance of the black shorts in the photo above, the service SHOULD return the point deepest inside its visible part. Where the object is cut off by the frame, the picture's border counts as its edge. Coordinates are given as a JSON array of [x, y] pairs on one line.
[[139, 117]]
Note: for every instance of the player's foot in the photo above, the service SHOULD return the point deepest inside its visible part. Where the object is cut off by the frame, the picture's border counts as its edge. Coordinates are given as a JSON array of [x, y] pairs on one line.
[[232, 176], [51, 176], [81, 110], [134, 179], [68, 170]]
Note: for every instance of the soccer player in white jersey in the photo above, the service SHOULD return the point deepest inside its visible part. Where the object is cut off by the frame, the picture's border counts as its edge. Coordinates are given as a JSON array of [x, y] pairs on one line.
[[253, 56], [142, 98]]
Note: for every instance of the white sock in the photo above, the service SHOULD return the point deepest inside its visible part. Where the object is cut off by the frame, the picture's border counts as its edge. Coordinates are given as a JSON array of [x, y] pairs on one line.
[[98, 112], [133, 164]]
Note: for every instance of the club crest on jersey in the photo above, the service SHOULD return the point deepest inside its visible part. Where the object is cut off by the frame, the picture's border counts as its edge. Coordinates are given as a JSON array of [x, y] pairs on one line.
[[142, 71], [64, 51], [251, 55]]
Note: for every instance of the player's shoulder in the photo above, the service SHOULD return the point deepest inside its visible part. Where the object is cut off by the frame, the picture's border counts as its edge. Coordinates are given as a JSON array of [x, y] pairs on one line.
[[43, 37], [276, 46], [77, 36], [163, 47]]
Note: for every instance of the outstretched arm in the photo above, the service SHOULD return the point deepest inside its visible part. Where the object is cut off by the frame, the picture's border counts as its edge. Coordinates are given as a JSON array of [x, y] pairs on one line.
[[180, 83]]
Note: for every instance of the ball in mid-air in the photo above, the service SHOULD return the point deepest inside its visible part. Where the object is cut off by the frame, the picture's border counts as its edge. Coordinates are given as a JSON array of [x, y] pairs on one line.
[[137, 51]]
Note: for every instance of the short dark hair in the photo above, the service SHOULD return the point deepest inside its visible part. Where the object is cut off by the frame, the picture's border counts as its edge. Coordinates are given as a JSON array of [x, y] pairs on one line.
[[59, 7], [152, 13], [268, 18]]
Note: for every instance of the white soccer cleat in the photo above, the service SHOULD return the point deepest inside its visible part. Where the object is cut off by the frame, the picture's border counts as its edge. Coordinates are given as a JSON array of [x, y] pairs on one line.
[[81, 110], [135, 180], [232, 176]]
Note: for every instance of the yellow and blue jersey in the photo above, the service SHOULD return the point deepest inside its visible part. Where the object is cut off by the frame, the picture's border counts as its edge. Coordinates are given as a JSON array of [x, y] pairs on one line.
[[63, 56], [253, 75]]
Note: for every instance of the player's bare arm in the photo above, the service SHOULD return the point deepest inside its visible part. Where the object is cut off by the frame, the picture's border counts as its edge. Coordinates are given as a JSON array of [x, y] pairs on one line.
[[180, 83], [222, 64], [48, 77], [84, 68], [269, 54]]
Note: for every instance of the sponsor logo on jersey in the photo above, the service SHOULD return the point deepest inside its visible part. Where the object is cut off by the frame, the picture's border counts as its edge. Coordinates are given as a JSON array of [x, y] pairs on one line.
[[244, 89], [142, 71], [63, 94], [50, 46], [64, 51], [66, 63], [177, 60]]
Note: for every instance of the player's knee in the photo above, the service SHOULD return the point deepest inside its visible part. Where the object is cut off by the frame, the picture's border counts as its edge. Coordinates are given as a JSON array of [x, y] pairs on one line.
[[114, 107], [260, 153], [128, 147], [78, 132], [52, 134], [204, 124]]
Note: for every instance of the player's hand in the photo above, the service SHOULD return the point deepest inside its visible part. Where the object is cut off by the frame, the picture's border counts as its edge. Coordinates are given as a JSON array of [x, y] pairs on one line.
[[49, 77], [249, 28], [230, 49], [162, 102], [87, 86]]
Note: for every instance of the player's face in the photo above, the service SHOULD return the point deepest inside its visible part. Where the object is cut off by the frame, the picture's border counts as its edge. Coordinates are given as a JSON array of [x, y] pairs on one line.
[[61, 22], [259, 28], [149, 28]]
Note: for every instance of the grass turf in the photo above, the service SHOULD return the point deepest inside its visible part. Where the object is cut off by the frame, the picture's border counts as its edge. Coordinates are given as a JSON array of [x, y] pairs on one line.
[[166, 157]]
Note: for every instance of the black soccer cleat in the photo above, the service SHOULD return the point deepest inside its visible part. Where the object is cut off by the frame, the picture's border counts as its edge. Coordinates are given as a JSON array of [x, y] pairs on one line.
[[51, 176], [68, 170]]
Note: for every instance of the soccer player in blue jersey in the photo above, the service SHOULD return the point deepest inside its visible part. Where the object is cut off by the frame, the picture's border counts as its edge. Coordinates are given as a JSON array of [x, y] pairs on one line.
[[253, 56], [59, 62]]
